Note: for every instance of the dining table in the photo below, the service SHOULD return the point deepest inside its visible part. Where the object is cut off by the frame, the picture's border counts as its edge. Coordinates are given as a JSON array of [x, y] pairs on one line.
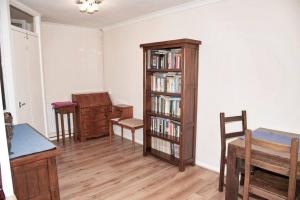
[[271, 160]]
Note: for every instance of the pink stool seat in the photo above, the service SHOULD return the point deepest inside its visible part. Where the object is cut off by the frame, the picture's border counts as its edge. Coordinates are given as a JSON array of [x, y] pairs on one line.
[[62, 104]]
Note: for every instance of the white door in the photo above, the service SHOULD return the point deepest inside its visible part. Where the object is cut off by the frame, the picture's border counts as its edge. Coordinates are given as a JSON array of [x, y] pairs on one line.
[[21, 72], [28, 86], [35, 84]]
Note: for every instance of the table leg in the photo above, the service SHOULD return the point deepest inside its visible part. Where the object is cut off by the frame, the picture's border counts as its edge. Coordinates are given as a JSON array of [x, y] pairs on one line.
[[62, 127], [69, 125], [133, 139], [232, 177], [57, 126], [122, 133]]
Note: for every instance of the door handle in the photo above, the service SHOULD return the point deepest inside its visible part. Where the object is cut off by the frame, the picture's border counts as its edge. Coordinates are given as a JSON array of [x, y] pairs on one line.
[[21, 104]]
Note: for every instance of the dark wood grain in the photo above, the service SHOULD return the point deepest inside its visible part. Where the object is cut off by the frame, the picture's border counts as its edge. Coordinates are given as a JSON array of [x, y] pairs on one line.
[[265, 158], [61, 111], [35, 176], [163, 70], [171, 117], [267, 185], [169, 138], [93, 114], [172, 43], [164, 93], [124, 111], [189, 90], [228, 135]]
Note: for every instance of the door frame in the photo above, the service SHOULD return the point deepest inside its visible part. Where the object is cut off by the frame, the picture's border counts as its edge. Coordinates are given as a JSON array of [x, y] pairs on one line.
[[6, 58], [9, 73]]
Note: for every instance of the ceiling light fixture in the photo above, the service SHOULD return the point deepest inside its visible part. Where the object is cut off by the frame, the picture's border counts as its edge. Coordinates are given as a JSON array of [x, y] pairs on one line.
[[89, 6]]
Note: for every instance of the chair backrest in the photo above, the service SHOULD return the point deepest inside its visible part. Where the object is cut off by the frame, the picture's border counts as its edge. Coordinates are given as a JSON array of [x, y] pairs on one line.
[[224, 120], [291, 149]]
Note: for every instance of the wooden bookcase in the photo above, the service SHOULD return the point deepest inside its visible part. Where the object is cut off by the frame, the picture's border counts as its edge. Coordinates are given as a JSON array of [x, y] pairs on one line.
[[170, 86]]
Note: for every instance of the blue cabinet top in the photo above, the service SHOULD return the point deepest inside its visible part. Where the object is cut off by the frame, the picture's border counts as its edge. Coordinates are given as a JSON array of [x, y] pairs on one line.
[[26, 141]]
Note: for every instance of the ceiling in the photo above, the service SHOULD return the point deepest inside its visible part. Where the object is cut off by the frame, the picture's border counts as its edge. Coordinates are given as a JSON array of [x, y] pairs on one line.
[[110, 11]]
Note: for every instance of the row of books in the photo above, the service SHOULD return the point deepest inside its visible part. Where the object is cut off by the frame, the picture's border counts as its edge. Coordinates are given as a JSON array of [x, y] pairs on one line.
[[166, 82], [165, 105], [165, 126], [165, 146], [164, 59]]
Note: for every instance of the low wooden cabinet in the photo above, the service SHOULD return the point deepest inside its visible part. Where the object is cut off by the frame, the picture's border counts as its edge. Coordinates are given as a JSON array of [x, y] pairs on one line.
[[33, 164], [122, 111]]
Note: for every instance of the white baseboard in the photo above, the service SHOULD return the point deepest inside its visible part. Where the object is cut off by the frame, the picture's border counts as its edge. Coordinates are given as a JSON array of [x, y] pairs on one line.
[[53, 138], [207, 166], [12, 197]]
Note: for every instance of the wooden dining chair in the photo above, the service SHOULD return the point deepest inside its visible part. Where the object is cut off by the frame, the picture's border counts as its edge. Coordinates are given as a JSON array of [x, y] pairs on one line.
[[270, 185], [225, 136]]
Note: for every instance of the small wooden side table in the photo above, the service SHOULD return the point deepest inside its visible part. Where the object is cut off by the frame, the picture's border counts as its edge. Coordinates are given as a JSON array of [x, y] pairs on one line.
[[62, 108], [131, 124]]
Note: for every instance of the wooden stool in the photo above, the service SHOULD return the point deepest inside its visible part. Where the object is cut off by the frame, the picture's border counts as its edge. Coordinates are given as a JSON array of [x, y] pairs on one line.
[[65, 108], [131, 124]]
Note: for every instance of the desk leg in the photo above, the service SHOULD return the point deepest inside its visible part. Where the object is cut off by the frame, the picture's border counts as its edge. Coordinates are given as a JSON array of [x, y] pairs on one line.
[[62, 128], [69, 126], [232, 178], [74, 125], [57, 126]]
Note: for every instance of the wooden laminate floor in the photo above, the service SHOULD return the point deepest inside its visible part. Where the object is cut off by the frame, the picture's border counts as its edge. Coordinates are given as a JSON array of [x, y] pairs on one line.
[[96, 170]]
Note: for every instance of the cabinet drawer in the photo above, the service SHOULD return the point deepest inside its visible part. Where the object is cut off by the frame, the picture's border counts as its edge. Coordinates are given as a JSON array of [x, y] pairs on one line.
[[95, 131], [91, 124], [94, 110], [94, 117]]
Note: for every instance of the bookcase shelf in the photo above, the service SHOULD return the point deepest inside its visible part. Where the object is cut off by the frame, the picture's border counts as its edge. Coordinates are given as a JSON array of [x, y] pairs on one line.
[[171, 66], [165, 93], [171, 117], [169, 138], [163, 70], [163, 156]]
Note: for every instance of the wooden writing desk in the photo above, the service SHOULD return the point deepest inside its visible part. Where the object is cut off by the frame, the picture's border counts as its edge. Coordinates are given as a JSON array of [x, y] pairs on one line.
[[278, 162]]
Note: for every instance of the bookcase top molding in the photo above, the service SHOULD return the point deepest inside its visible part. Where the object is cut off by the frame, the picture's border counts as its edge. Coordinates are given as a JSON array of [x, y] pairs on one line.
[[179, 42]]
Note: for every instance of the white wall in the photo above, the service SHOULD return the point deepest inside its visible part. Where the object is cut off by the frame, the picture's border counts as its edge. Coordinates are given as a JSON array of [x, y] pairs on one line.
[[72, 63], [249, 60]]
